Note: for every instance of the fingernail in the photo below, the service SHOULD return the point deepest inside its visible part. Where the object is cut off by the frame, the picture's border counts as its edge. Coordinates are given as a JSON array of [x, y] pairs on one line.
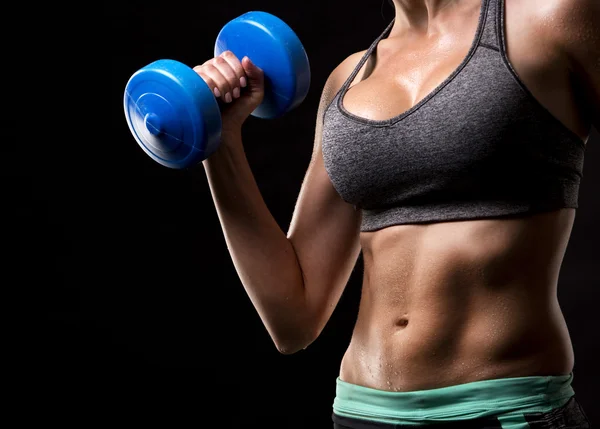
[[243, 81], [217, 92], [228, 97], [236, 92]]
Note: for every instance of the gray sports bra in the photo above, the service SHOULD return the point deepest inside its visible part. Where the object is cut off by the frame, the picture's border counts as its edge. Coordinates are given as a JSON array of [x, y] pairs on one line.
[[478, 146]]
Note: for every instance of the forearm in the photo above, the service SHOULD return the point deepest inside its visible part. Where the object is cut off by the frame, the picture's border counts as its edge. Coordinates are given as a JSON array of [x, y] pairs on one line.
[[264, 258]]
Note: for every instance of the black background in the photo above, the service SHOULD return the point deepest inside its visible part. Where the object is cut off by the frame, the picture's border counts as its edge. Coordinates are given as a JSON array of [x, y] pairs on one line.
[[137, 285]]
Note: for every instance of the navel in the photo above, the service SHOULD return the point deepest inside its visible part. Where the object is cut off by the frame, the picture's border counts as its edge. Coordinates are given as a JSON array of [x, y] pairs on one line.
[[402, 322]]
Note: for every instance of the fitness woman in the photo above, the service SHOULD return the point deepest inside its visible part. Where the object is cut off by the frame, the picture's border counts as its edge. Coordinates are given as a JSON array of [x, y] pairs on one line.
[[450, 153]]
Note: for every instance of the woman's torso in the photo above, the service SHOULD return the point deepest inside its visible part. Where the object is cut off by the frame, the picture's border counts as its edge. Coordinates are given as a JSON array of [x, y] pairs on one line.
[[452, 302]]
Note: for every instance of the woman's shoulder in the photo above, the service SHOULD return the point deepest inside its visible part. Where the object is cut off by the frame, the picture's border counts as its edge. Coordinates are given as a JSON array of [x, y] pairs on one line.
[[343, 70], [340, 74]]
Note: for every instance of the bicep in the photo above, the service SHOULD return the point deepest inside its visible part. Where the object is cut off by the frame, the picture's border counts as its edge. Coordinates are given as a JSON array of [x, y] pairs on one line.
[[325, 233], [324, 230]]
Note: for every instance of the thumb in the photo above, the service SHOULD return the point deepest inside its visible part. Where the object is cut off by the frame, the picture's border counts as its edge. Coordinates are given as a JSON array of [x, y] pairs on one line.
[[255, 74]]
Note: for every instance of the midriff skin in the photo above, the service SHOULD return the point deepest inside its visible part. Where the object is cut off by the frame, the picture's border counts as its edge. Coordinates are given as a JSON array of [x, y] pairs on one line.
[[455, 302], [450, 303], [443, 303]]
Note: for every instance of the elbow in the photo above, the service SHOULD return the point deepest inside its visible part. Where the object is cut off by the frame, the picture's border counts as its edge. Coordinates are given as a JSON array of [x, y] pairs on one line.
[[288, 349], [290, 344]]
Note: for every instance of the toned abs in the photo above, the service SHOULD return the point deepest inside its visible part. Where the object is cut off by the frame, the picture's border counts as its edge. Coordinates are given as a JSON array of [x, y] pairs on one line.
[[454, 302]]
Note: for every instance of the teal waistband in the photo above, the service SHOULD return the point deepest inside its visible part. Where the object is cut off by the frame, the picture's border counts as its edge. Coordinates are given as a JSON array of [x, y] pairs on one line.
[[505, 398]]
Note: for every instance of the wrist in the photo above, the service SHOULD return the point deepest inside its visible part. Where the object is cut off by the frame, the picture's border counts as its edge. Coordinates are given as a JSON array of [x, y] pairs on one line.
[[231, 134], [230, 145]]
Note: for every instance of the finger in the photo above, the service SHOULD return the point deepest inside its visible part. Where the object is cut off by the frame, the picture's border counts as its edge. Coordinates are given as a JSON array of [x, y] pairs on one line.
[[254, 73], [236, 65], [207, 79], [220, 84], [229, 73]]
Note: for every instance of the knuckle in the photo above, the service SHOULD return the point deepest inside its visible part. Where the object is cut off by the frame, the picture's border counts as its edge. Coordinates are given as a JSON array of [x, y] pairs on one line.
[[208, 67], [229, 74], [226, 71], [200, 69], [224, 84]]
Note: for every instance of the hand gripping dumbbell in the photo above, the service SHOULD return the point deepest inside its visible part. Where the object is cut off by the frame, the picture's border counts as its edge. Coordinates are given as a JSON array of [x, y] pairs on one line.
[[173, 114]]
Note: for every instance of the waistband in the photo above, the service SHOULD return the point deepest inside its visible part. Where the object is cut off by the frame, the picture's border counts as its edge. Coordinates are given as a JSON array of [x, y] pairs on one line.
[[504, 398]]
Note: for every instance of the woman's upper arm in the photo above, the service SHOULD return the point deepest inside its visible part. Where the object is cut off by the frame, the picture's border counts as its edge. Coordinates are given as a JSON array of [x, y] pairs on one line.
[[324, 229]]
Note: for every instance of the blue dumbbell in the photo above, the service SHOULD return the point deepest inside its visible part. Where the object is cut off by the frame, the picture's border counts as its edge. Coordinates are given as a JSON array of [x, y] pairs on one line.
[[175, 117]]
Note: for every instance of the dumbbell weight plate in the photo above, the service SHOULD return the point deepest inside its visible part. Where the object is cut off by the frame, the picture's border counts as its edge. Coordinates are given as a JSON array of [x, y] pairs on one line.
[[172, 114], [274, 47]]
